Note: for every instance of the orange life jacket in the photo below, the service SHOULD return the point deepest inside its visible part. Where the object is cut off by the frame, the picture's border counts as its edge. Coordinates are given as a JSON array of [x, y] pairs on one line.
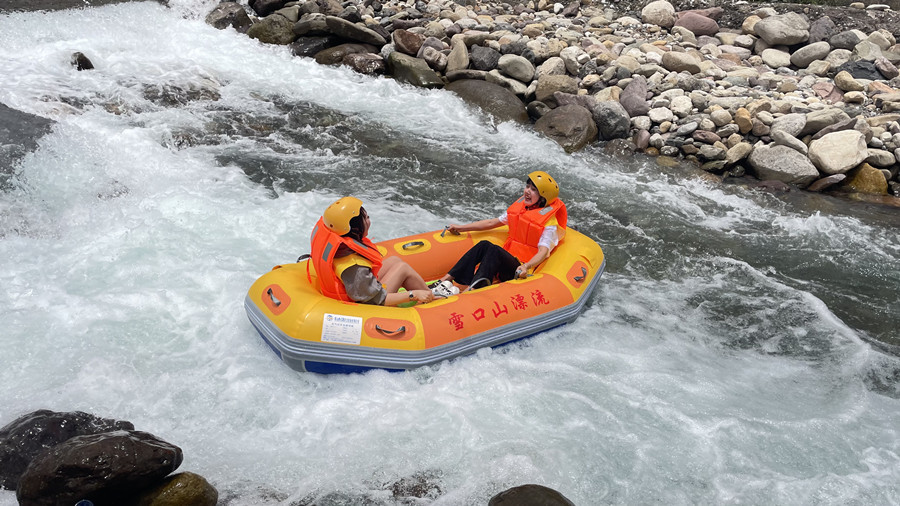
[[324, 246], [527, 225]]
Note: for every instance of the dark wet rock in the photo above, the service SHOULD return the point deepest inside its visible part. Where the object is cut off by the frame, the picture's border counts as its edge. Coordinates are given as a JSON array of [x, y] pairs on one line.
[[613, 121], [81, 62], [29, 435], [571, 126], [499, 102], [335, 55], [354, 31], [179, 489], [310, 46], [311, 24], [537, 109], [821, 29], [859, 70], [365, 63], [263, 8], [484, 58], [530, 495], [414, 71], [845, 40], [273, 29], [229, 14], [102, 468]]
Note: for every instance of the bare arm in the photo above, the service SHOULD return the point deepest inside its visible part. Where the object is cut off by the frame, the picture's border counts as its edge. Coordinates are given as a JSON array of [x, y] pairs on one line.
[[477, 225], [393, 299], [541, 255]]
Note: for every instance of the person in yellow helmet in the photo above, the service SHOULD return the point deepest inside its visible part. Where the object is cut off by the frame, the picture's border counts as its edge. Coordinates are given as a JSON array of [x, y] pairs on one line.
[[350, 267], [537, 222]]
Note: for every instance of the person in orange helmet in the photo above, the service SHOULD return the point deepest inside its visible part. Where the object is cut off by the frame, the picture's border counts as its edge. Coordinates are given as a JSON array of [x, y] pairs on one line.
[[537, 222], [350, 267]]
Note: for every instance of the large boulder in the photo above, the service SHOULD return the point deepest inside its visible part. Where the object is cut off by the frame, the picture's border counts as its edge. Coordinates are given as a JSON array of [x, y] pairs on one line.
[[782, 163], [412, 70], [547, 85], [659, 13], [102, 468], [613, 121], [516, 67], [680, 62], [496, 100], [697, 24], [229, 14], [802, 57], [354, 31], [263, 8], [408, 42], [571, 126], [335, 55], [484, 58], [838, 152], [273, 29], [783, 29], [865, 179], [27, 436], [634, 97]]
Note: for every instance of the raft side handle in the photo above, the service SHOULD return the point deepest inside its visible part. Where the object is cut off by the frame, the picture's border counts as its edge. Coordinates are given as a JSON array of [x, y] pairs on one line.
[[272, 297], [391, 333], [303, 257], [413, 244], [579, 279]]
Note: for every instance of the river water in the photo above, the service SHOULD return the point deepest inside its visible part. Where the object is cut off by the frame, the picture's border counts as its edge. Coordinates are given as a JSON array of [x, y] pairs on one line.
[[741, 348]]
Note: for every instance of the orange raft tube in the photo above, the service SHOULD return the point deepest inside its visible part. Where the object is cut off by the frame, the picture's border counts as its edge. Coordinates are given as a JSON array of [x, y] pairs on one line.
[[311, 332]]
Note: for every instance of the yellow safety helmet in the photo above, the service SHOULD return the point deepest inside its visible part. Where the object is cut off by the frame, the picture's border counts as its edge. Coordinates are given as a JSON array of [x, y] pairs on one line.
[[545, 184], [338, 215]]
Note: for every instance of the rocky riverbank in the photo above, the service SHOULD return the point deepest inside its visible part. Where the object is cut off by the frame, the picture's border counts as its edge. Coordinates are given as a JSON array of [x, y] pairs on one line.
[[801, 95]]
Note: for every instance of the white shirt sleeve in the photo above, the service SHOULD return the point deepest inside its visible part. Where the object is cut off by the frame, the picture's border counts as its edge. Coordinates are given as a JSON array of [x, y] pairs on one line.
[[549, 238], [504, 219]]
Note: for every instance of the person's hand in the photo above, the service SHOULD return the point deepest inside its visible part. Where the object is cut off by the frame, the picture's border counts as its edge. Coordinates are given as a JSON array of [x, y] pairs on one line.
[[454, 229], [423, 296], [521, 271]]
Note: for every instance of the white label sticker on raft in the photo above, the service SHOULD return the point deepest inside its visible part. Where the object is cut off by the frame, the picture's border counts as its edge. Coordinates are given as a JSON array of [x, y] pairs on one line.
[[338, 328]]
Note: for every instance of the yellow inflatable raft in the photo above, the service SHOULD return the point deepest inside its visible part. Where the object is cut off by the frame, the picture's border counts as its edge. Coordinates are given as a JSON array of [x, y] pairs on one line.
[[311, 332]]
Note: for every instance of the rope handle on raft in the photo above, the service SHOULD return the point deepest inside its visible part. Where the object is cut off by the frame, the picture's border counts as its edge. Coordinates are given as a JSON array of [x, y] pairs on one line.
[[413, 244], [391, 333], [272, 297], [579, 279]]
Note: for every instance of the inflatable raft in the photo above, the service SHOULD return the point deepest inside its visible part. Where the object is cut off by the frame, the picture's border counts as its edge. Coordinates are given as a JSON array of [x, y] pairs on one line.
[[310, 332]]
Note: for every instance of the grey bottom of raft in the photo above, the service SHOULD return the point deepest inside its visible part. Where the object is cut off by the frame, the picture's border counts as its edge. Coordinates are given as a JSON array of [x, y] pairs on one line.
[[301, 355]]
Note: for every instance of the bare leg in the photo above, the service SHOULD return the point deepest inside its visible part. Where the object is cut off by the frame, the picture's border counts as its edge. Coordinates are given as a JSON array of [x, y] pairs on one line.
[[395, 273]]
